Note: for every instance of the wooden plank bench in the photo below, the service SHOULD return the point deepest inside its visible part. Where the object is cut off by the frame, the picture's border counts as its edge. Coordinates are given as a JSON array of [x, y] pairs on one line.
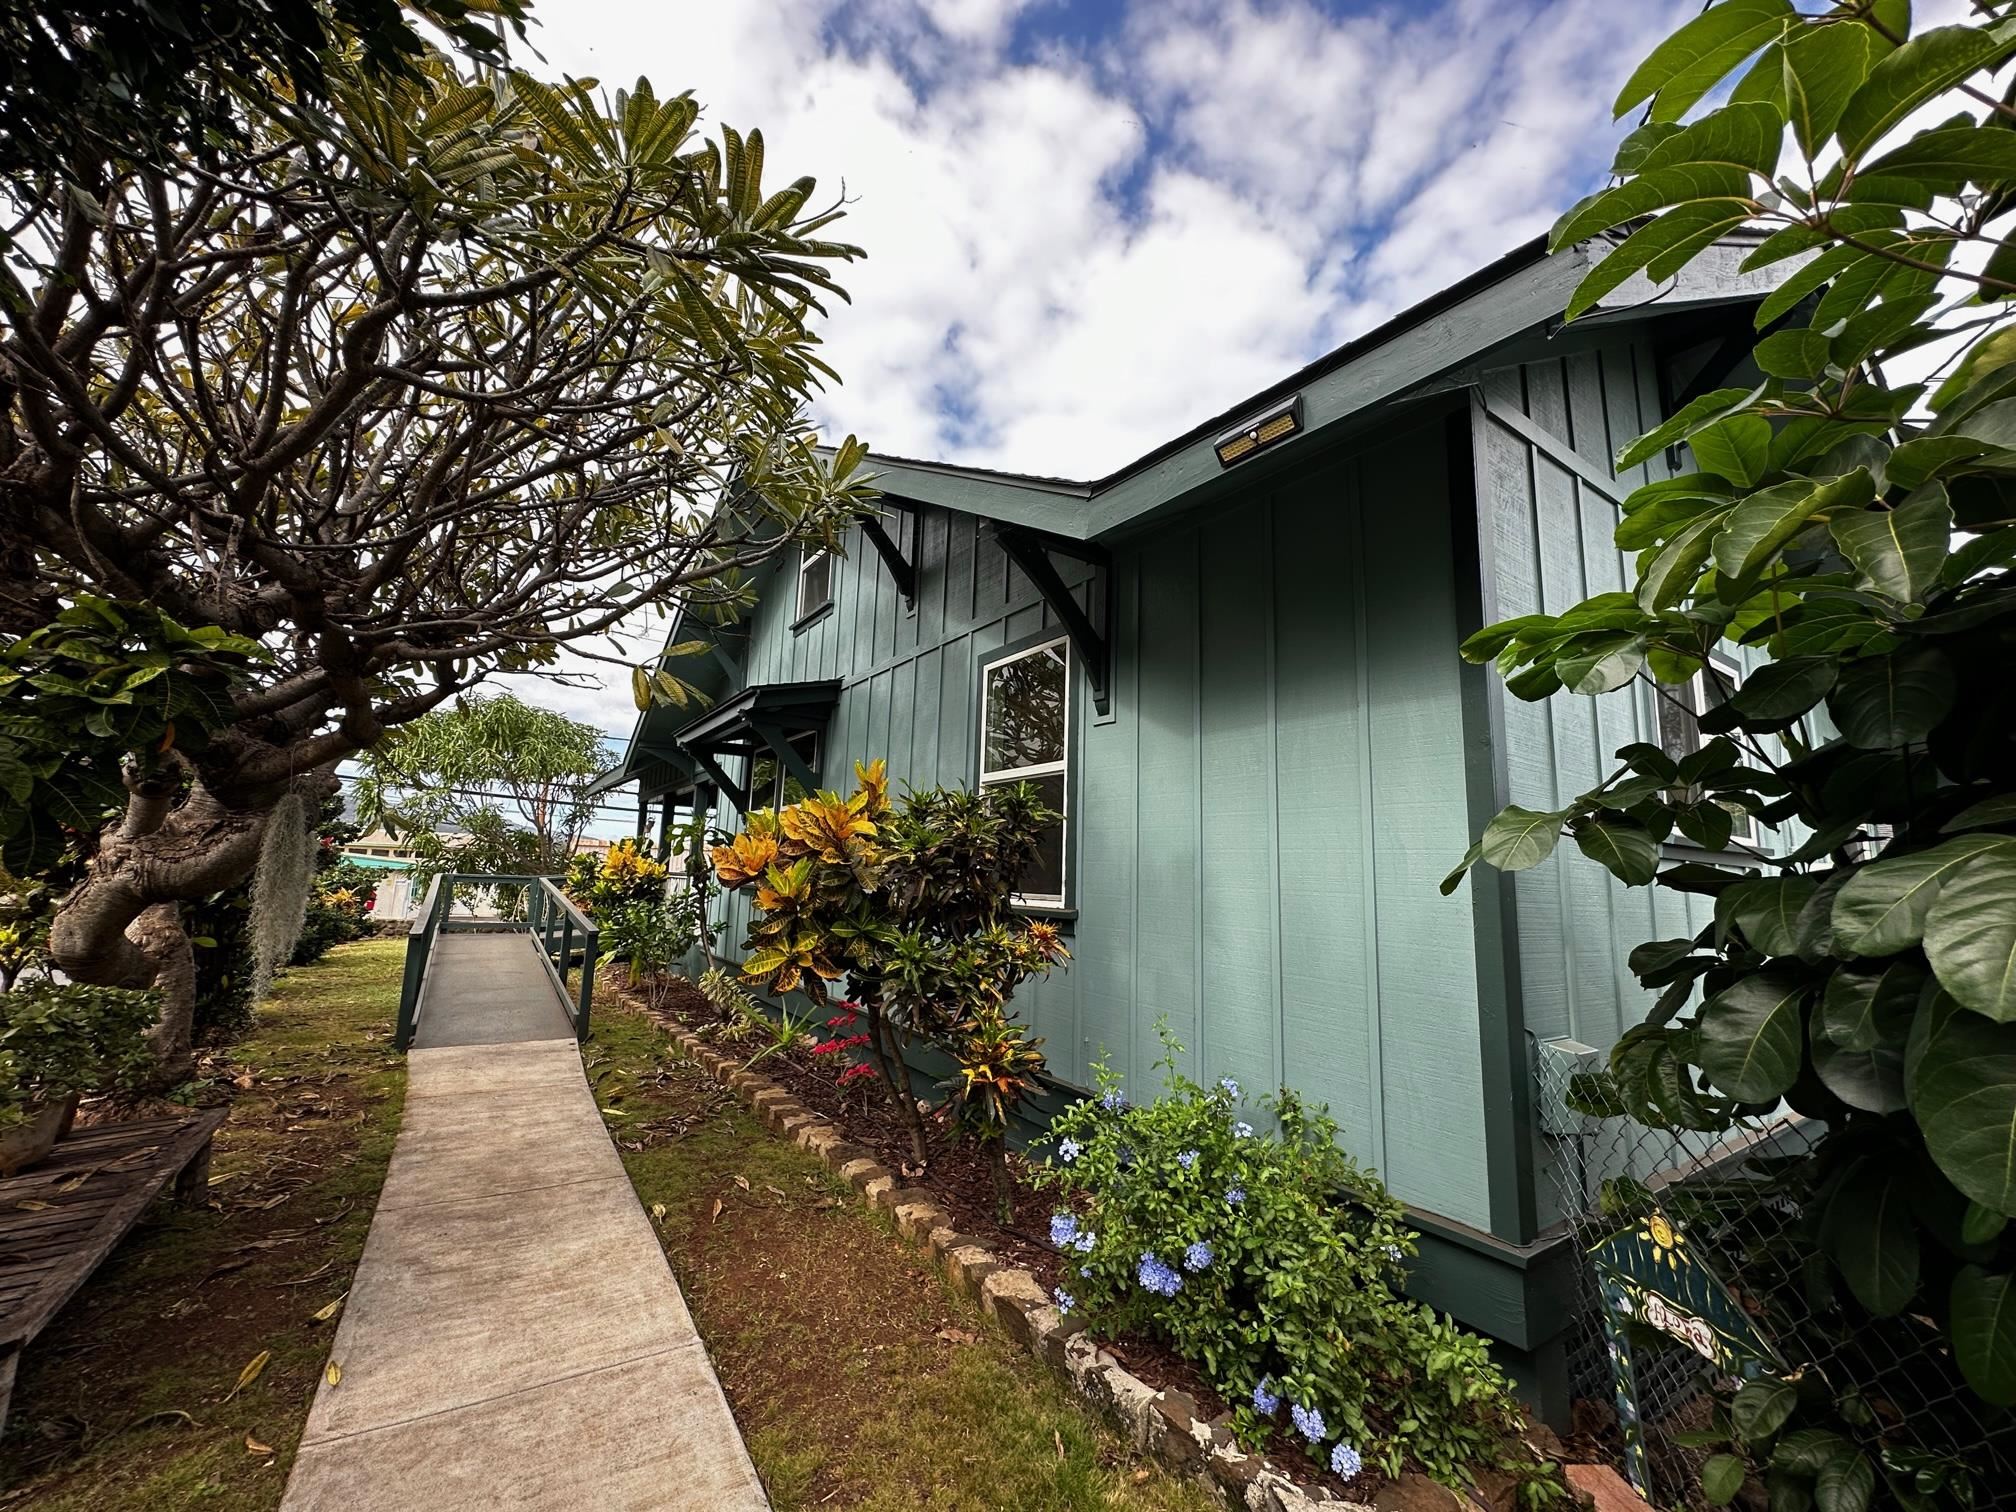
[[61, 1219]]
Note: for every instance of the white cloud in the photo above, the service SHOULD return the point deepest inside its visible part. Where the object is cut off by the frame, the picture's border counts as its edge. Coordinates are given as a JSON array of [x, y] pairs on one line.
[[1078, 249]]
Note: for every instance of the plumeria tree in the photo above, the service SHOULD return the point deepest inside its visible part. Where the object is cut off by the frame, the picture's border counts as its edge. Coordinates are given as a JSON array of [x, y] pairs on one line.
[[421, 383], [1845, 523]]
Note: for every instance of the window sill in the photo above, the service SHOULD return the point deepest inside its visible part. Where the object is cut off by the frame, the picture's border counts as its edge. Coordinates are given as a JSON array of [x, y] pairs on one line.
[[812, 617]]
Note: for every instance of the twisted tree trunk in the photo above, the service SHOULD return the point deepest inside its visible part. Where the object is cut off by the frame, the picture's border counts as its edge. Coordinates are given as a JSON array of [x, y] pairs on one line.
[[122, 926]]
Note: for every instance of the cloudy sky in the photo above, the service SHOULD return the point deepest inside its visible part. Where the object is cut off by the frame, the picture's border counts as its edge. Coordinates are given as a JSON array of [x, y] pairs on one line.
[[1092, 223]]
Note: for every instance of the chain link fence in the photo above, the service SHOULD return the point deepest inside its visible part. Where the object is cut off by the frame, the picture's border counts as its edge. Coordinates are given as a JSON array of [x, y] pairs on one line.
[[1736, 1197]]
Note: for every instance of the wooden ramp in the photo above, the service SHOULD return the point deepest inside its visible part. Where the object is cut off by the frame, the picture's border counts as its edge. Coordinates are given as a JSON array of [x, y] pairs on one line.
[[513, 1337]]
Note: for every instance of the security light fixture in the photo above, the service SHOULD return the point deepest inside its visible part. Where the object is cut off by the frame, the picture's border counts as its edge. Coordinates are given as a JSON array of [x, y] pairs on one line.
[[1259, 433]]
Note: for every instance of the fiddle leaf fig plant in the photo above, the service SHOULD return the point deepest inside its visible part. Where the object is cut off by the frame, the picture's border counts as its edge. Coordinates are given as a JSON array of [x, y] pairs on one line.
[[1843, 519]]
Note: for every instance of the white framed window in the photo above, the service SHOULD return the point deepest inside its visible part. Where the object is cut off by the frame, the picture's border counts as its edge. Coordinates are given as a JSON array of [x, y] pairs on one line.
[[815, 580], [1680, 709], [771, 783], [1025, 736]]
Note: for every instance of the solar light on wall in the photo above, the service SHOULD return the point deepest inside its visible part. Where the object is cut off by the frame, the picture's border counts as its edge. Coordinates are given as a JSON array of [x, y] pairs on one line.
[[1259, 433]]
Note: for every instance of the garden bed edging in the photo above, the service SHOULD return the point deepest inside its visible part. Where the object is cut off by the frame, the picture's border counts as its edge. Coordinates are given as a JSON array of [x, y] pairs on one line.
[[1161, 1424]]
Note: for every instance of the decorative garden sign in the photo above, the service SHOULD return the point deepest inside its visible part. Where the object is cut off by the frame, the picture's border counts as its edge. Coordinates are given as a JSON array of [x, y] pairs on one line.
[[1649, 1274]]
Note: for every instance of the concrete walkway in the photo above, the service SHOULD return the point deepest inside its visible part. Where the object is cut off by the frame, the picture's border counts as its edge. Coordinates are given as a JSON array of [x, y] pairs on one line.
[[513, 1337]]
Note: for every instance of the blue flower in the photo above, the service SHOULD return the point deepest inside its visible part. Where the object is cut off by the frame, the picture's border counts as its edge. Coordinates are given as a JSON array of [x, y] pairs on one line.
[[1308, 1422], [1063, 1228], [1243, 1130], [1264, 1399], [1084, 1242], [1069, 1150], [1113, 1101], [1065, 1301], [1187, 1159], [1344, 1461], [1395, 1253], [1156, 1277], [1235, 1195], [1197, 1257], [1230, 1086]]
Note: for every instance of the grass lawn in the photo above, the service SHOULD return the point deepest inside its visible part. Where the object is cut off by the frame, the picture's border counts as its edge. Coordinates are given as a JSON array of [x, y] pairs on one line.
[[858, 1379], [130, 1400]]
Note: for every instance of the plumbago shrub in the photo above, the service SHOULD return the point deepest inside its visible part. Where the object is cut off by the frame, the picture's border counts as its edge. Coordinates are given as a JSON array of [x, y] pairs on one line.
[[1848, 520], [1274, 1263]]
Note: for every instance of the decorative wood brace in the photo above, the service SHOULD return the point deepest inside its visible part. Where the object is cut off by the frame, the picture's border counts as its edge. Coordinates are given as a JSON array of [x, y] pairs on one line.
[[900, 568], [1030, 550]]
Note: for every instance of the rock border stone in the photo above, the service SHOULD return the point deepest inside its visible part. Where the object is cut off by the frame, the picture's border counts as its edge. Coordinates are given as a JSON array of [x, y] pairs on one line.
[[1165, 1425]]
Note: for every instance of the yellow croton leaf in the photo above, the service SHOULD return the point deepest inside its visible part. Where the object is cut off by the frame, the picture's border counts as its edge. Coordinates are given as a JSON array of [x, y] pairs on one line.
[[873, 780], [743, 859]]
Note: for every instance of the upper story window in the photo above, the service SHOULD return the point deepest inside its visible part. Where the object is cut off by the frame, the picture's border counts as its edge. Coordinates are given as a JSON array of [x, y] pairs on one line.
[[1680, 709], [1025, 736], [815, 580]]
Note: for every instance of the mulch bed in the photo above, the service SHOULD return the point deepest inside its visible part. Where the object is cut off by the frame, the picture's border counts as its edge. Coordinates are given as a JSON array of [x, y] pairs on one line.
[[958, 1175]]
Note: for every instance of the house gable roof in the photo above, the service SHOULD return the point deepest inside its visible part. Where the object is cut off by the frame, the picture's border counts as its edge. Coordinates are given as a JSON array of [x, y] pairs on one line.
[[1523, 290]]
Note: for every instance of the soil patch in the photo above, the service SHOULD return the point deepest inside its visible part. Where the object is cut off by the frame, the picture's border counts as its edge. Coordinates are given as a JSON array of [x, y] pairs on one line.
[[131, 1398]]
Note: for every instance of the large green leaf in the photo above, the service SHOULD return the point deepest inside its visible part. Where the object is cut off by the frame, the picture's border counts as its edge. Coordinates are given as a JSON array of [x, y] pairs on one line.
[[1872, 1080], [1670, 573], [1862, 1010], [1760, 1408], [1625, 846], [1960, 1073], [1899, 551], [1752, 1039], [1884, 701], [1823, 66], [1721, 1478], [1760, 526], [1955, 152], [2001, 809], [1795, 352], [1767, 911], [1925, 67], [1970, 934], [1786, 689], [1982, 1326], [1846, 1483], [1659, 247], [1701, 54], [1737, 448], [1602, 664], [1693, 415], [1883, 908], [1521, 837], [1868, 1231]]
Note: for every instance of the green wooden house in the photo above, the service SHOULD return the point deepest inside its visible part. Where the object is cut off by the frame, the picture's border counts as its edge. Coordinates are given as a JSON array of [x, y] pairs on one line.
[[1232, 665]]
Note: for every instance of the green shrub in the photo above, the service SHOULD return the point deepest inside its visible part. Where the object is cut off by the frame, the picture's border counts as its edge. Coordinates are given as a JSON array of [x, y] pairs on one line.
[[62, 1038], [338, 910], [650, 937], [1273, 1262]]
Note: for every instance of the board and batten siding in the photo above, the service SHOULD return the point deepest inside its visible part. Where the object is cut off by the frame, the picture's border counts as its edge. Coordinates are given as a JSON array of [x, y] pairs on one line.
[[1259, 824], [1270, 807], [910, 681], [1546, 536]]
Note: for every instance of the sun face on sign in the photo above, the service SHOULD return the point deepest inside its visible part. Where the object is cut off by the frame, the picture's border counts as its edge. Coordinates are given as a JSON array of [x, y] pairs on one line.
[[1665, 1240]]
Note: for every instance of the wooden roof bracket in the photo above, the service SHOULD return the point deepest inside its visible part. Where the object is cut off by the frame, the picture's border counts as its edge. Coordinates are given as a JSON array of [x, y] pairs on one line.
[[1030, 550], [901, 569], [723, 781]]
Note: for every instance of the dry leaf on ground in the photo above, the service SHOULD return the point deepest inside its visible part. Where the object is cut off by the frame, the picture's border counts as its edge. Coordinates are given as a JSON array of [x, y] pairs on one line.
[[251, 1372]]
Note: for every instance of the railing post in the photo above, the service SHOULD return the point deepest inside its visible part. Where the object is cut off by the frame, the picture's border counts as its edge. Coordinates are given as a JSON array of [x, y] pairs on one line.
[[566, 947], [589, 945]]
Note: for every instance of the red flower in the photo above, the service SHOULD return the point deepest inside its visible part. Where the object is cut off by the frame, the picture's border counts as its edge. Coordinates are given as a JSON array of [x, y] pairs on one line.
[[854, 1073]]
